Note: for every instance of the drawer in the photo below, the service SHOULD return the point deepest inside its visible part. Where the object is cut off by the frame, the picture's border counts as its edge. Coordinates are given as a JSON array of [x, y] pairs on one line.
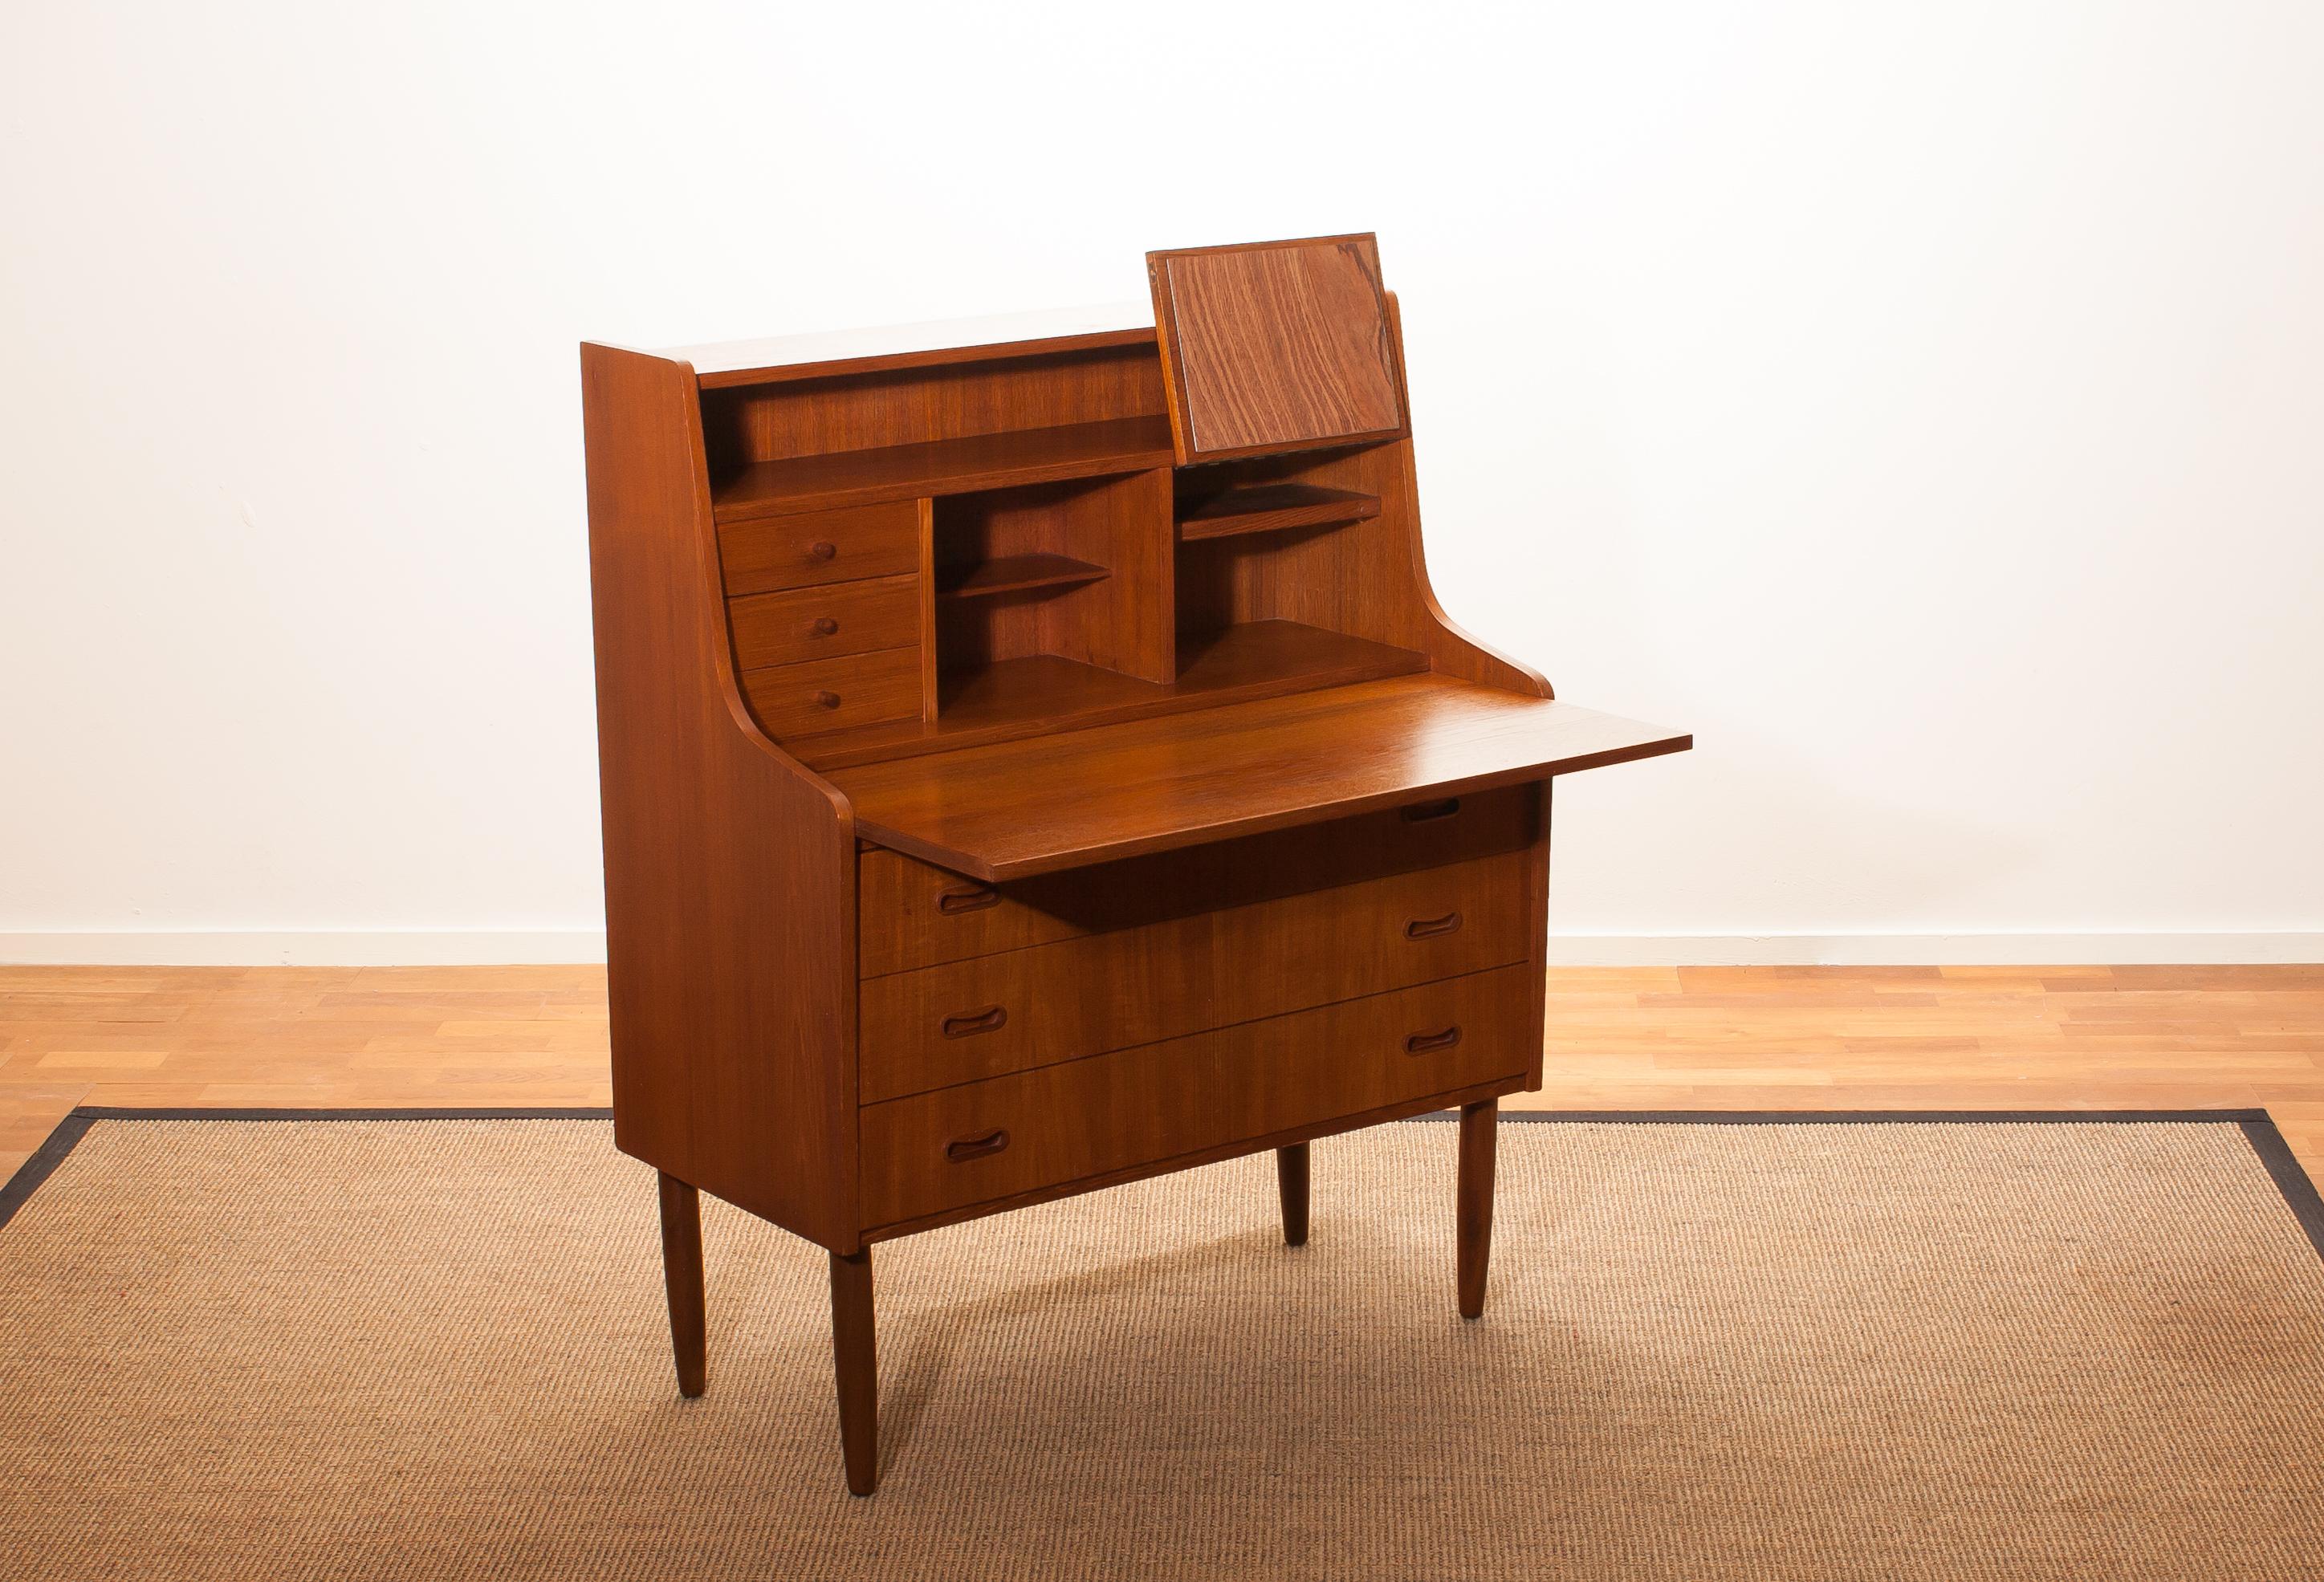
[[830, 694], [911, 915], [811, 546], [1023, 1133], [979, 1017], [817, 623]]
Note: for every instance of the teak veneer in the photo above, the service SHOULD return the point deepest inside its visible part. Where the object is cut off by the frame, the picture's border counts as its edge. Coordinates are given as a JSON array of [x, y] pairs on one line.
[[1033, 759]]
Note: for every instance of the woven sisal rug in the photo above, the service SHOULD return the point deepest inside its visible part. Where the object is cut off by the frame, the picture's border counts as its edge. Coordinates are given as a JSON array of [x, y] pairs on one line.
[[435, 1349]]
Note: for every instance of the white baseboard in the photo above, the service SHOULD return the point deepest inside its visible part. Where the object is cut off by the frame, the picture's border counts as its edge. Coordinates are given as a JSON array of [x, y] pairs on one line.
[[1929, 949], [307, 948], [494, 947]]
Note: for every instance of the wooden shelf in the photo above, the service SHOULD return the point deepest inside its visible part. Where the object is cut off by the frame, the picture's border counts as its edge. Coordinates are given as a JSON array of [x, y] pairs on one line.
[[1024, 697], [1266, 507], [942, 466], [1015, 574], [1156, 785]]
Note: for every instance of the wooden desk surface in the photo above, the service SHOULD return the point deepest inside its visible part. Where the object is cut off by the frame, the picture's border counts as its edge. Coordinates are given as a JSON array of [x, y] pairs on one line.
[[1017, 808]]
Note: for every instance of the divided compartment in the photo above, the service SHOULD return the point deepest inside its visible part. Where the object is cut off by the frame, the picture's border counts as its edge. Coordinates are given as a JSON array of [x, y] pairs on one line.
[[1263, 547], [1076, 572], [936, 556]]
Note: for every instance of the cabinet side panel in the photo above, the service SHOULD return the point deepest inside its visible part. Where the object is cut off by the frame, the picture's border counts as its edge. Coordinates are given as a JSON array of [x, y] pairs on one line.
[[729, 893], [1450, 651]]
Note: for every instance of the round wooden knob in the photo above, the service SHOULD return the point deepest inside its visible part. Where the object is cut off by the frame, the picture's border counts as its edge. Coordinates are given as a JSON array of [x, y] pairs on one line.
[[826, 700], [824, 625], [823, 551]]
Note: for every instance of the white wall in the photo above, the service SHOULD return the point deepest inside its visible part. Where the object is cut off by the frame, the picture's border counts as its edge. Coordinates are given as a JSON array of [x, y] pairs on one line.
[[1924, 403]]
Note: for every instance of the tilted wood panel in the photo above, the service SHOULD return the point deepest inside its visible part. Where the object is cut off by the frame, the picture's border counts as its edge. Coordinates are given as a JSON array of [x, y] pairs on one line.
[[988, 1015], [1280, 346]]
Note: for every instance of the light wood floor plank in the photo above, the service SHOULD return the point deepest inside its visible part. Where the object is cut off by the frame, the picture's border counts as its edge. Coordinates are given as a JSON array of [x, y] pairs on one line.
[[2071, 1037]]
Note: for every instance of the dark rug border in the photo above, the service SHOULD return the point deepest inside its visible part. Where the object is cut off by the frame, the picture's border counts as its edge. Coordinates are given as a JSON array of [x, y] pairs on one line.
[[2258, 1130]]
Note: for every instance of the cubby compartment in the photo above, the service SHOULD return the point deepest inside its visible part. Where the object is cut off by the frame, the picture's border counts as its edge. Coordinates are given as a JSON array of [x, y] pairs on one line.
[[1262, 545], [845, 439], [1075, 573]]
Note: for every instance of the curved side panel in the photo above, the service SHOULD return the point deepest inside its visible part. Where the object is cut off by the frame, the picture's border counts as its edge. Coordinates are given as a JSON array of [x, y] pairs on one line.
[[729, 902], [1458, 653]]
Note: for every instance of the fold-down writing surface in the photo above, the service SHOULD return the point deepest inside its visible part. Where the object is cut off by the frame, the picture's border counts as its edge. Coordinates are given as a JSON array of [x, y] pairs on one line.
[[1018, 808]]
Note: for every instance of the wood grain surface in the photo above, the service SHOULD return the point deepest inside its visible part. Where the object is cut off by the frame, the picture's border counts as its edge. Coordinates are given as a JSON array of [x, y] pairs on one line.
[[944, 466], [1054, 1002], [1156, 784], [1276, 346], [809, 547], [911, 914], [733, 1067], [1137, 1108]]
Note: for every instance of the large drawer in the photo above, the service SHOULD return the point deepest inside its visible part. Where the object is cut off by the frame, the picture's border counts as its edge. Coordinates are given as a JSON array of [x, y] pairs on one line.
[[979, 1017], [990, 1140], [911, 915]]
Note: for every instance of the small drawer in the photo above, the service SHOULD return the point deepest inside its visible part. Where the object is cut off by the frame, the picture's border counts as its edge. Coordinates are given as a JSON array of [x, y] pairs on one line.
[[812, 546], [911, 914], [830, 694], [979, 1017], [982, 1141], [817, 623]]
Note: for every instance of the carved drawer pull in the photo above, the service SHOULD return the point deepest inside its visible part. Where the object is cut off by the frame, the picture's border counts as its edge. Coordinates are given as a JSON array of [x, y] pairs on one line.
[[953, 903], [1429, 927], [823, 551], [969, 1024], [1430, 1042], [1421, 813], [961, 1150], [826, 700], [824, 625]]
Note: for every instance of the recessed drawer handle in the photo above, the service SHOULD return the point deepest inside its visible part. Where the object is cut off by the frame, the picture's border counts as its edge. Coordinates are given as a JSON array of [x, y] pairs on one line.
[[824, 625], [820, 550], [969, 1024], [825, 700], [1429, 927], [1430, 1042], [961, 1150], [1421, 813], [953, 903]]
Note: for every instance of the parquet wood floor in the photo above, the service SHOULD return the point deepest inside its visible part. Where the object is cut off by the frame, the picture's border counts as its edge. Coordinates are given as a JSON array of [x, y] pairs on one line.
[[1620, 1038]]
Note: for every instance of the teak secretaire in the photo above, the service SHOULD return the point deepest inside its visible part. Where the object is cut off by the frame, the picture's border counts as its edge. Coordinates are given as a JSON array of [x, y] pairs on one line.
[[1033, 759]]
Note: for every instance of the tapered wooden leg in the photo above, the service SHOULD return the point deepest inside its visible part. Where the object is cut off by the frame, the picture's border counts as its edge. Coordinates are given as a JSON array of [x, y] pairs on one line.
[[855, 1359], [1291, 1181], [681, 1272], [1476, 1202]]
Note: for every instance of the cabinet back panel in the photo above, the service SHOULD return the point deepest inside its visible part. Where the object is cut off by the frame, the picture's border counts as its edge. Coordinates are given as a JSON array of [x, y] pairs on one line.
[[815, 417]]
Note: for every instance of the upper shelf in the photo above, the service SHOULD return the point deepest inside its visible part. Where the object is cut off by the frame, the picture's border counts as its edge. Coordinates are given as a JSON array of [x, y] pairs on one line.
[[1265, 507], [942, 466], [1014, 574], [1035, 805]]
